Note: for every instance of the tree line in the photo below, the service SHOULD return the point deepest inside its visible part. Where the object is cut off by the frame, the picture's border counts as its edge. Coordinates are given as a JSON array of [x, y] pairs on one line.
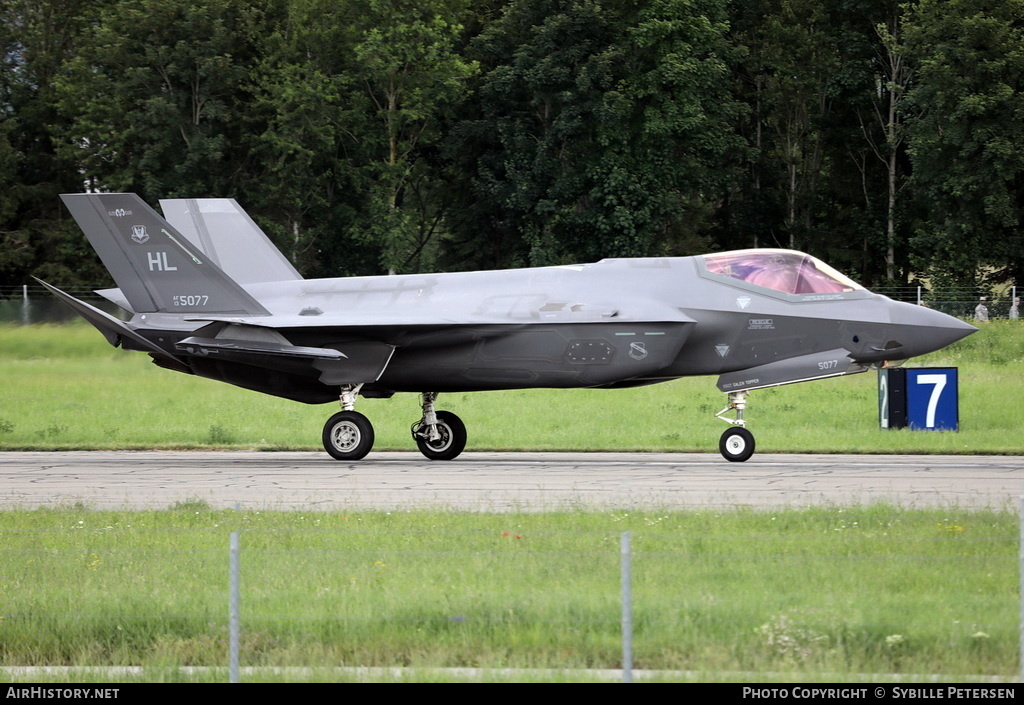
[[371, 136]]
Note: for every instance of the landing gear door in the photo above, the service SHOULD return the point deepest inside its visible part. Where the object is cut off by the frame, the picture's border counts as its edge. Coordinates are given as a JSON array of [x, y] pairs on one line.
[[363, 361]]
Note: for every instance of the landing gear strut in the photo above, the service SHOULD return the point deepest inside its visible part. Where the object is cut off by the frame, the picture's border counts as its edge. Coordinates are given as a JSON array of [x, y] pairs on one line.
[[348, 435], [737, 443], [440, 435]]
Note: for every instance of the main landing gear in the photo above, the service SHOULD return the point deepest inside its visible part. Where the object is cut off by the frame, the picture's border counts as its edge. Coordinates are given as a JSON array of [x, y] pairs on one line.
[[440, 435], [737, 443], [348, 435]]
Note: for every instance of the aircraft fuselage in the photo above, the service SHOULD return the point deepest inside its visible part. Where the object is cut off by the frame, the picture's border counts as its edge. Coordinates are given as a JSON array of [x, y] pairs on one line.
[[614, 323]]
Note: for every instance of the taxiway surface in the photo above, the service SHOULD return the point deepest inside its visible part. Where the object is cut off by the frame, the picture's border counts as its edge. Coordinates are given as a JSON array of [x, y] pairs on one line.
[[502, 481]]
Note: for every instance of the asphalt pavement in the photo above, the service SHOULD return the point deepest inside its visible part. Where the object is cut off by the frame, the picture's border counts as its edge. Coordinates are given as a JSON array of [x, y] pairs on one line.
[[503, 481]]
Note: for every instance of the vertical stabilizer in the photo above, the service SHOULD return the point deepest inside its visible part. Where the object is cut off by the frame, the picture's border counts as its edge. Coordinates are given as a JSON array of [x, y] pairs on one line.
[[154, 265], [220, 228]]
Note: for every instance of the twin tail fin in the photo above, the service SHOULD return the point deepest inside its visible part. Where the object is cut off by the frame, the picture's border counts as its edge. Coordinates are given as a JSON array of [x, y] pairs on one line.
[[157, 268]]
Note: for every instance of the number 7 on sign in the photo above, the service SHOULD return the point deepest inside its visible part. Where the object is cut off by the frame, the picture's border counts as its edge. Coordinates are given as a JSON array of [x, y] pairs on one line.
[[933, 401]]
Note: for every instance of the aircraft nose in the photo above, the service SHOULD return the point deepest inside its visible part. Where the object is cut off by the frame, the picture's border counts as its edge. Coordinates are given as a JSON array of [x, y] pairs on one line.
[[923, 330]]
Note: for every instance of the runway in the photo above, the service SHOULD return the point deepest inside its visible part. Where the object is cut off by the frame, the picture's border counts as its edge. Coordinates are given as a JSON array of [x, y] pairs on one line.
[[502, 482]]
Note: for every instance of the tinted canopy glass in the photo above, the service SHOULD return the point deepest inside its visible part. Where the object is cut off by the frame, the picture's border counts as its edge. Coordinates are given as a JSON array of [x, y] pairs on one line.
[[780, 270]]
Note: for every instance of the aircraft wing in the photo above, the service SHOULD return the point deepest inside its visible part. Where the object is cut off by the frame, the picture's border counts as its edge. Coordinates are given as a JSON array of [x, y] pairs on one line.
[[602, 351], [632, 313], [381, 319], [351, 363]]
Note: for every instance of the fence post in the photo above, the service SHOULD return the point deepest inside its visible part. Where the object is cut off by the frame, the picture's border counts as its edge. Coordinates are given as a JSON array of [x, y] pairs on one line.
[[233, 610], [626, 561]]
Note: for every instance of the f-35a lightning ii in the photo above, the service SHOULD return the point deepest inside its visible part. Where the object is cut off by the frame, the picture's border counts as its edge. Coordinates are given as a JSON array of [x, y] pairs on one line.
[[213, 297]]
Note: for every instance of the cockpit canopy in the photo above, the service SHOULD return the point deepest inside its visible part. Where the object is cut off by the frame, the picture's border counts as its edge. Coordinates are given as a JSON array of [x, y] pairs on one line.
[[786, 271]]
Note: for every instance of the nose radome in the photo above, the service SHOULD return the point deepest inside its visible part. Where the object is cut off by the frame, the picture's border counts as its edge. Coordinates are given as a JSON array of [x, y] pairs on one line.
[[926, 330]]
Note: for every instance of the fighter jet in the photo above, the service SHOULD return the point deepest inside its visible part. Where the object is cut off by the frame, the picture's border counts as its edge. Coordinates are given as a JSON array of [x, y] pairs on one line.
[[213, 297]]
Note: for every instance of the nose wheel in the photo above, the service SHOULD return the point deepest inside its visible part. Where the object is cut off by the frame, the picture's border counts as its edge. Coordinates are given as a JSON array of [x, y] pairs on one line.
[[737, 443]]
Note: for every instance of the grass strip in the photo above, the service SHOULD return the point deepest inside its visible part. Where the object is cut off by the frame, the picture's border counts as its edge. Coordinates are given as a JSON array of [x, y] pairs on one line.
[[62, 387], [830, 590]]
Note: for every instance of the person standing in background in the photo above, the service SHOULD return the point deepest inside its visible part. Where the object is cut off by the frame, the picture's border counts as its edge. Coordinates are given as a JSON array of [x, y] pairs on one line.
[[981, 311]]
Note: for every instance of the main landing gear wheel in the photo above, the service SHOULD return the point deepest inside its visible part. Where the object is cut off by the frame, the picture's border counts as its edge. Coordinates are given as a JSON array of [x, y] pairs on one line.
[[450, 440], [736, 444], [348, 435], [440, 435]]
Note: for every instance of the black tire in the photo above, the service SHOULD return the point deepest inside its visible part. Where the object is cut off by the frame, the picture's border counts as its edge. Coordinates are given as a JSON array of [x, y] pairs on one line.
[[348, 435], [452, 441], [736, 444]]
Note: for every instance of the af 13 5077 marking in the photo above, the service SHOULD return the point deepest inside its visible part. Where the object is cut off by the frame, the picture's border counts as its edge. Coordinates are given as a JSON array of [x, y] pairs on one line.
[[191, 300], [756, 318]]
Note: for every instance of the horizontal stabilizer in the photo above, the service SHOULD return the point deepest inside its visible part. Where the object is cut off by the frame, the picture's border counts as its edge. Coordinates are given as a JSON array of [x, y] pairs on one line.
[[831, 363], [115, 331], [116, 297]]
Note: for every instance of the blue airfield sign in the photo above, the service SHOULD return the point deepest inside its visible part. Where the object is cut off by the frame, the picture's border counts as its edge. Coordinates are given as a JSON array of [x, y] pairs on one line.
[[923, 399]]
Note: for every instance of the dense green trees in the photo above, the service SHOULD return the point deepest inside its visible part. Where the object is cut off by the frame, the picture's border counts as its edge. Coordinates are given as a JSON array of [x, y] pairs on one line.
[[967, 145], [602, 129], [369, 136], [156, 96], [36, 39]]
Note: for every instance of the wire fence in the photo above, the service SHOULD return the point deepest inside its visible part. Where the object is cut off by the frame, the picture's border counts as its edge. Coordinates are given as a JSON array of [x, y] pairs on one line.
[[959, 302], [845, 596], [27, 304]]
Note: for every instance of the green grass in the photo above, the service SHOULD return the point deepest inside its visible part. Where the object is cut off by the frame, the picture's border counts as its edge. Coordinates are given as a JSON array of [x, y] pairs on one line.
[[836, 591], [819, 594], [63, 387]]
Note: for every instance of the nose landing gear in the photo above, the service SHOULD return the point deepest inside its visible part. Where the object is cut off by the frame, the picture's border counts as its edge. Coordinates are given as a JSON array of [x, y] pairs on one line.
[[737, 443]]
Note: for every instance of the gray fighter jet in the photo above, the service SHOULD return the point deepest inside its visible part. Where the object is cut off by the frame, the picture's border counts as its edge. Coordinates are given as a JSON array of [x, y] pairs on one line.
[[213, 297]]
